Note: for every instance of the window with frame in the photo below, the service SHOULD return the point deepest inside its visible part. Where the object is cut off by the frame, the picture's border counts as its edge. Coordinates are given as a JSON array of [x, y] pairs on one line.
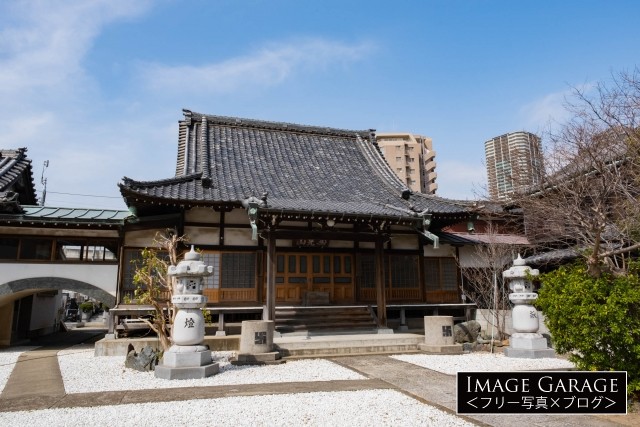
[[403, 271], [441, 274], [367, 271], [238, 270], [132, 260]]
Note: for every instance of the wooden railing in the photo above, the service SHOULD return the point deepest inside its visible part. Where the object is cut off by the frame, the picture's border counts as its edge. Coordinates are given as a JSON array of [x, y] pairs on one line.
[[441, 297], [395, 294], [226, 295]]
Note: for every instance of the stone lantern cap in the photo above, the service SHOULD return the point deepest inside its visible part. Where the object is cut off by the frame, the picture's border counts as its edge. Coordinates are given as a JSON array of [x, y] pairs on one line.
[[191, 266], [519, 270], [189, 281], [521, 287]]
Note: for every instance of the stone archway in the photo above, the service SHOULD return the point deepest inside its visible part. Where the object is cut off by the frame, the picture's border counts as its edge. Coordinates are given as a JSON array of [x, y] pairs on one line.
[[58, 283]]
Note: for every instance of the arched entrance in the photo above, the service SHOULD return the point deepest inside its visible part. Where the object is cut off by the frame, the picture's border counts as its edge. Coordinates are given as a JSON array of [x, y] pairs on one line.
[[19, 298]]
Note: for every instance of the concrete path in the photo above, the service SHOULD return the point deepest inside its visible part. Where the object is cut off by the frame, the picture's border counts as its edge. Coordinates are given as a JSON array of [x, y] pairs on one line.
[[439, 390], [36, 383]]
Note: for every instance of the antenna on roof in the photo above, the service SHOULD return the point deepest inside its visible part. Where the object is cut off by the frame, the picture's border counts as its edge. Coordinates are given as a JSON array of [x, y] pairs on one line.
[[43, 181]]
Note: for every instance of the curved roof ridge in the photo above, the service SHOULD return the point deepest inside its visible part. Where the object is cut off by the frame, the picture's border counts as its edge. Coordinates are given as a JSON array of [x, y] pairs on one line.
[[461, 203], [129, 182], [271, 125], [379, 164]]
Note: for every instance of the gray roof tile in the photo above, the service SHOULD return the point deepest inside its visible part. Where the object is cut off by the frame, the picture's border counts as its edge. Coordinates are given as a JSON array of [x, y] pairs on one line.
[[302, 168], [16, 175]]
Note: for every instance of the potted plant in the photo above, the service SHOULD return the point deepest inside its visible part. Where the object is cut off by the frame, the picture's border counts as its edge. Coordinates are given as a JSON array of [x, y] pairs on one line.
[[87, 310]]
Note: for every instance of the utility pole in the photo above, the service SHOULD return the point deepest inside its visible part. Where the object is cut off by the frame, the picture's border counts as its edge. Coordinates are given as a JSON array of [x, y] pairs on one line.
[[43, 181]]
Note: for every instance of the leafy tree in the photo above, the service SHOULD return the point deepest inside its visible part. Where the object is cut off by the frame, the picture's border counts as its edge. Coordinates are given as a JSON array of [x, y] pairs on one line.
[[154, 286], [596, 320]]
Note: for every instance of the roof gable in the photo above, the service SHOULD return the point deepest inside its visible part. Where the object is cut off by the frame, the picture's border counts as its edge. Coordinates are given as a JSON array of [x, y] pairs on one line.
[[16, 175], [299, 168]]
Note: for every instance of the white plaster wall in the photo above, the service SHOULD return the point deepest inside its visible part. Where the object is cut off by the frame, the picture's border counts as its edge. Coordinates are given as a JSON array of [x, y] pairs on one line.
[[367, 245], [236, 216], [469, 258], [340, 244], [140, 238], [281, 243], [201, 215], [203, 236], [239, 237], [102, 276], [44, 312], [400, 241]]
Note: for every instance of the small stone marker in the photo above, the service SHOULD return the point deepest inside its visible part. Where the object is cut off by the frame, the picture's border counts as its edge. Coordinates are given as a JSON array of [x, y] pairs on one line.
[[256, 344], [438, 336]]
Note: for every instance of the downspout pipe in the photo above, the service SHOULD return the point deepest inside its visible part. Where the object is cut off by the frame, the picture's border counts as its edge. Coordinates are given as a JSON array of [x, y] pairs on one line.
[[426, 222]]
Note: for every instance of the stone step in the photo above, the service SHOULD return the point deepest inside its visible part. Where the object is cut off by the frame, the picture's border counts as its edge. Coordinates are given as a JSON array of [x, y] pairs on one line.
[[292, 319], [335, 345], [324, 320]]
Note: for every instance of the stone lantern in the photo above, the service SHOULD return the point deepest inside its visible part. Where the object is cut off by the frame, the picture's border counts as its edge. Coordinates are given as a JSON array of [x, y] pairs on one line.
[[188, 357], [525, 341]]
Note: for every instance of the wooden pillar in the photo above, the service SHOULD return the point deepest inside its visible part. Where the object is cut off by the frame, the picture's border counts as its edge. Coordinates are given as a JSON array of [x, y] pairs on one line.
[[271, 278], [380, 290]]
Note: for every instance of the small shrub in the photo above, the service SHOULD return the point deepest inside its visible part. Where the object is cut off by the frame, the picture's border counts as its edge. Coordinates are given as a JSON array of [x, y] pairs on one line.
[[86, 307], [595, 320]]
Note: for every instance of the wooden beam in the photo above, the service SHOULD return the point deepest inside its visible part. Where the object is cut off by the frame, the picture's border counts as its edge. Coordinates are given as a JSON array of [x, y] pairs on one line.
[[271, 278], [380, 290], [347, 235]]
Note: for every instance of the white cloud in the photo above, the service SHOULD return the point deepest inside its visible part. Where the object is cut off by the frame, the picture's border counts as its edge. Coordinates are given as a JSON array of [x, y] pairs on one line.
[[550, 110], [267, 67], [47, 97], [49, 39]]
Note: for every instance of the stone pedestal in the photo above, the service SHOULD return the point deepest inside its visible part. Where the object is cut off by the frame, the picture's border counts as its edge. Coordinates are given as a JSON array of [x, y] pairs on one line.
[[182, 362], [528, 346], [438, 336], [256, 344]]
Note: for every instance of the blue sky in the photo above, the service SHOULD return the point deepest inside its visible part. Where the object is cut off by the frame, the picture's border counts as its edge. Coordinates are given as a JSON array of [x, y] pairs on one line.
[[97, 87]]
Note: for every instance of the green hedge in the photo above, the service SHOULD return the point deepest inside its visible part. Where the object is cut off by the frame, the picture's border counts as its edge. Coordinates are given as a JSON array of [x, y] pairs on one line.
[[595, 320]]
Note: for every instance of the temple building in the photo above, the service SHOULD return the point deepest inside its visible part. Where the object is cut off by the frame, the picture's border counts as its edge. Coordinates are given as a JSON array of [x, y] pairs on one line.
[[285, 211]]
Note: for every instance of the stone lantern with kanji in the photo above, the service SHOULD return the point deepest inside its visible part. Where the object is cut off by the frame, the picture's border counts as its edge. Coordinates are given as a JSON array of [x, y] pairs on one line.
[[525, 341], [188, 357]]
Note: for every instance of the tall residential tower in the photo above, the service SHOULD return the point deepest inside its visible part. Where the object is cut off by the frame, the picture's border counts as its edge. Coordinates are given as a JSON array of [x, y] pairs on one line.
[[514, 160], [412, 158]]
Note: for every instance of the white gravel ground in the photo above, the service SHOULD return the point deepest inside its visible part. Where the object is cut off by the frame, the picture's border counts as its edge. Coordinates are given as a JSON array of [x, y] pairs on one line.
[[482, 362], [346, 408], [82, 372], [8, 359]]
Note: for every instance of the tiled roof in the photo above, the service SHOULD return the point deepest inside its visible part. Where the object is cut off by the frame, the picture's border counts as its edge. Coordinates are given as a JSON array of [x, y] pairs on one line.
[[475, 238], [224, 160], [16, 175], [65, 216]]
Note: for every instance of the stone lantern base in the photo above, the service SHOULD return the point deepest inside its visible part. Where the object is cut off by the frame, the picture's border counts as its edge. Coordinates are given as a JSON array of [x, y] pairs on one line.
[[528, 346], [186, 363]]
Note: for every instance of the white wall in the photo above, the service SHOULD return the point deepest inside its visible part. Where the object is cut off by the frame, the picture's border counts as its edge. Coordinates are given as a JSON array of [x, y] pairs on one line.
[[102, 276], [44, 312]]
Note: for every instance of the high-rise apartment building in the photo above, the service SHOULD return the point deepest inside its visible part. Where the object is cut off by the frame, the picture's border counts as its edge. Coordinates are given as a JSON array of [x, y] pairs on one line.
[[412, 158], [514, 160]]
